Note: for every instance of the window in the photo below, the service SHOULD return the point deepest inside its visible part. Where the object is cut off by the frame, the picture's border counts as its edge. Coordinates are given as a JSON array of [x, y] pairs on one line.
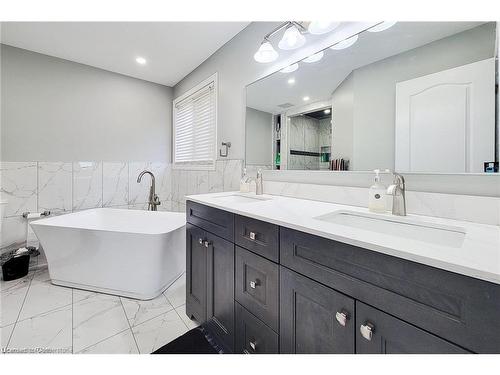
[[195, 126]]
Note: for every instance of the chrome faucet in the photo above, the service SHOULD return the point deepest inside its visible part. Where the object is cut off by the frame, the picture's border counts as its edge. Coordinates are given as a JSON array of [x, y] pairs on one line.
[[153, 201], [259, 189], [397, 190]]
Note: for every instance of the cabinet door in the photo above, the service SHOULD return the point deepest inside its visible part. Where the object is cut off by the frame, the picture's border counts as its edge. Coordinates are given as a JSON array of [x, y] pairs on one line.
[[313, 317], [220, 289], [380, 333], [196, 273]]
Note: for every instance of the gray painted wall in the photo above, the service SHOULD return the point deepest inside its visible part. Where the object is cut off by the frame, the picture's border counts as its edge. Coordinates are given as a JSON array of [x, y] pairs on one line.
[[57, 110], [259, 132]]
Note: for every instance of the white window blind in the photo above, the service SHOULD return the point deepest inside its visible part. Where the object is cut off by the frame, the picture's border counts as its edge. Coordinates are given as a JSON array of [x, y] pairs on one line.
[[195, 127]]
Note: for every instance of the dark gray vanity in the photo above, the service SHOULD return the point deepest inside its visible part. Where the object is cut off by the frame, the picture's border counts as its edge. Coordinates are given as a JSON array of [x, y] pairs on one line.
[[262, 288]]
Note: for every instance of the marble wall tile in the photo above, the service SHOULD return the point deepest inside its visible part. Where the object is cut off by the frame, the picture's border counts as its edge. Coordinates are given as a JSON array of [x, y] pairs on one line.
[[55, 186], [18, 187], [87, 185], [115, 182], [13, 232], [216, 178], [163, 177], [138, 192], [232, 174]]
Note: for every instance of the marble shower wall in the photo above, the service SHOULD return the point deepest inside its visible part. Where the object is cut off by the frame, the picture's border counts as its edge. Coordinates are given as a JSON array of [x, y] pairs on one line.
[[63, 187]]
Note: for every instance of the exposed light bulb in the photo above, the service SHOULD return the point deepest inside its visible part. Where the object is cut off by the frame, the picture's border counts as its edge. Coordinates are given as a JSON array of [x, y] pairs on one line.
[[305, 98], [140, 60], [381, 26], [345, 43], [314, 58], [266, 53], [292, 39], [322, 27], [291, 81], [290, 68]]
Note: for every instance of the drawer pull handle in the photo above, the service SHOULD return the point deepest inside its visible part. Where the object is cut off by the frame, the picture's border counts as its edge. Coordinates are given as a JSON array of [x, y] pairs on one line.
[[253, 345], [367, 330], [206, 243], [254, 284], [252, 236], [342, 317]]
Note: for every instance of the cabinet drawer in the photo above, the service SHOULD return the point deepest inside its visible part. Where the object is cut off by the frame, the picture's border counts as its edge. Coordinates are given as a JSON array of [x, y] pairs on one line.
[[252, 335], [380, 333], [257, 283], [458, 308], [218, 222], [258, 236]]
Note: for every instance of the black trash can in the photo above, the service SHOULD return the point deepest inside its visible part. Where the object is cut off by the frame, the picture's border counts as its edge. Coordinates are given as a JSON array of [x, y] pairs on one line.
[[16, 267]]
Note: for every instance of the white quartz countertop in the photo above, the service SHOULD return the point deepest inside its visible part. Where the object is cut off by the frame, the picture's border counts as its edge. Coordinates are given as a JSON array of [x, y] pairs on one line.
[[478, 256]]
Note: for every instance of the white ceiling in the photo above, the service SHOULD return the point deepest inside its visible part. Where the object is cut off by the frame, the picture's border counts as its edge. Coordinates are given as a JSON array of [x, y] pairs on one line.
[[172, 49], [318, 80]]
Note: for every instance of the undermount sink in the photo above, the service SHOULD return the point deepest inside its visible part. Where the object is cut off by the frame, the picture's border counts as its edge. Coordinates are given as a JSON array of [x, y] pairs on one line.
[[240, 198], [445, 235]]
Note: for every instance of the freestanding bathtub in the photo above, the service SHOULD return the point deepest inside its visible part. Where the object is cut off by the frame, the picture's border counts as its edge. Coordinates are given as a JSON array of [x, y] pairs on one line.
[[130, 253]]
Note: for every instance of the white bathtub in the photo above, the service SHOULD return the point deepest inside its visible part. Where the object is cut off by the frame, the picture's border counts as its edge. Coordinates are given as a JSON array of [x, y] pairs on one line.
[[129, 253]]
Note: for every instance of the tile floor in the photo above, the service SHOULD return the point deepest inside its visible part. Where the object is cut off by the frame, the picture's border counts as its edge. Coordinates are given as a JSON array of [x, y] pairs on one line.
[[37, 316]]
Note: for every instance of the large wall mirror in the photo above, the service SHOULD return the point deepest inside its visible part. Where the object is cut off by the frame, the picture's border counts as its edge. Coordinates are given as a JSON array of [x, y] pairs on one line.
[[417, 97]]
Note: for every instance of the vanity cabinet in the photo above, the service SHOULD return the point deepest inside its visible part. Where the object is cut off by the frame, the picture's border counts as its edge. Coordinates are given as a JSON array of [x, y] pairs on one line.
[[262, 288], [381, 333], [313, 317]]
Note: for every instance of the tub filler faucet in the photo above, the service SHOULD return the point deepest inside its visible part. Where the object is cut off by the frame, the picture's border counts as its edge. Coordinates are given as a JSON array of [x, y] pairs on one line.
[[153, 201]]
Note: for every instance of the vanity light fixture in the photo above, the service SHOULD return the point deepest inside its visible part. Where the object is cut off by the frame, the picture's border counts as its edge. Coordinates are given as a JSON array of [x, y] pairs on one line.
[[322, 27], [314, 58], [305, 98], [346, 43], [291, 81], [266, 53], [140, 60], [381, 26], [290, 68], [293, 37]]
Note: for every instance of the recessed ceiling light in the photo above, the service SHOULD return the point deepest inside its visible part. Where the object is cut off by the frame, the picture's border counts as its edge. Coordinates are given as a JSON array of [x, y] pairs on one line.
[[291, 81], [290, 68], [381, 26], [140, 60], [305, 98], [327, 111], [346, 43]]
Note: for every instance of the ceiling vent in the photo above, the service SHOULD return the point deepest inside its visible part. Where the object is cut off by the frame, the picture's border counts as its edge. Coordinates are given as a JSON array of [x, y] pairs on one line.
[[285, 105]]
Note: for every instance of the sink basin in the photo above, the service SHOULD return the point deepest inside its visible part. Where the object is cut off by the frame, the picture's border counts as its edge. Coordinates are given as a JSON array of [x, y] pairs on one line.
[[403, 227], [240, 198]]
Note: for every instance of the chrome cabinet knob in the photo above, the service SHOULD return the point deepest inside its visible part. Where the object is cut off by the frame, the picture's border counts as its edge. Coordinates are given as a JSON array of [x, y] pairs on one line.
[[253, 345], [367, 330], [254, 284], [342, 317], [206, 243], [252, 236], [200, 241]]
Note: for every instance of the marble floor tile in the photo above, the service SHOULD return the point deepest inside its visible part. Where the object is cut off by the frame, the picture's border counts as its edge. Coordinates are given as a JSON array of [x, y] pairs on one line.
[[80, 295], [50, 331], [5, 333], [97, 318], [43, 297], [181, 310], [158, 331], [138, 311], [12, 298], [121, 343], [176, 293], [41, 276]]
